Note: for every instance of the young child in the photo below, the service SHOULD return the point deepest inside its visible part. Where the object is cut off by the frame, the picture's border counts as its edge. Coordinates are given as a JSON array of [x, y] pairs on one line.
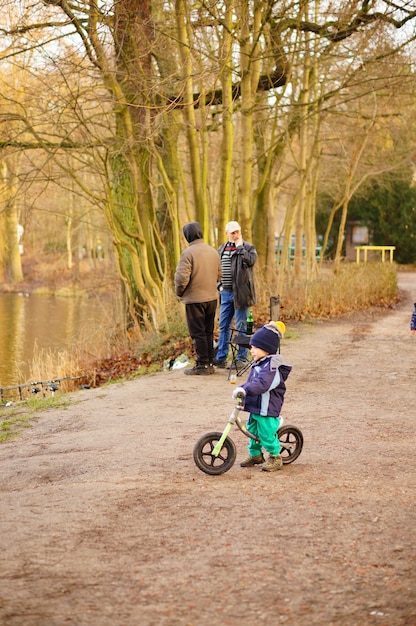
[[413, 321], [264, 392]]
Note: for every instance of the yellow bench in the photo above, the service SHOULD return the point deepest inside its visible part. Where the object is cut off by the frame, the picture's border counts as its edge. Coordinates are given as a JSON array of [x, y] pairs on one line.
[[384, 249]]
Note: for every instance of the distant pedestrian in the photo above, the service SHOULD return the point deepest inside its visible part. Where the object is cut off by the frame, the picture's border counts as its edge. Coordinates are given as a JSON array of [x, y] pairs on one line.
[[413, 320], [196, 278], [237, 291]]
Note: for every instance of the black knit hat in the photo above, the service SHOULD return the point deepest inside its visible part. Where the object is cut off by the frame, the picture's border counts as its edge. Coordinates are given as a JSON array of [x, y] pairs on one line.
[[266, 339], [192, 231]]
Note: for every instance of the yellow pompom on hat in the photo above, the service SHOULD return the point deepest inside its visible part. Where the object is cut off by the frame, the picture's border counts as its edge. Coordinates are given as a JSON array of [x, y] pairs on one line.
[[268, 337], [280, 325]]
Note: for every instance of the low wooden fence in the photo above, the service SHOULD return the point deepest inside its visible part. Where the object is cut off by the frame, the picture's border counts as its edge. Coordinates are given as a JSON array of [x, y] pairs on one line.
[[46, 388]]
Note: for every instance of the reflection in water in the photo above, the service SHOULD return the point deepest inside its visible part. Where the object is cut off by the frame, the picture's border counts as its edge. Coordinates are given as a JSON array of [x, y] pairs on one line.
[[12, 315], [46, 323]]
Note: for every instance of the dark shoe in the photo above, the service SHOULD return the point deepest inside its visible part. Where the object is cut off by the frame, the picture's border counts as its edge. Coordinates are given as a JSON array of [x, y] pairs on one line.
[[273, 464], [211, 369], [253, 460], [240, 363], [222, 364], [198, 370]]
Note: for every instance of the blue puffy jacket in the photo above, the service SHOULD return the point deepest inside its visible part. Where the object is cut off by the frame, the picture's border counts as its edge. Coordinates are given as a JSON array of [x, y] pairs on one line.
[[265, 386], [413, 318]]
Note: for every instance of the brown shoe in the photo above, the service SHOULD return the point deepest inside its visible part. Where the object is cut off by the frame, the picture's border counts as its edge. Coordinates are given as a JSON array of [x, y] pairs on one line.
[[253, 460], [273, 463]]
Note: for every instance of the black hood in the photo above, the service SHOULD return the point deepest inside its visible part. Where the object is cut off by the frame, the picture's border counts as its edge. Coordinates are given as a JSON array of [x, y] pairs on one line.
[[192, 231]]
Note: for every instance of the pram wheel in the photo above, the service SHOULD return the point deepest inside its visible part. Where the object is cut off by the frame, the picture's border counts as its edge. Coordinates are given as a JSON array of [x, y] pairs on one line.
[[291, 440], [210, 464]]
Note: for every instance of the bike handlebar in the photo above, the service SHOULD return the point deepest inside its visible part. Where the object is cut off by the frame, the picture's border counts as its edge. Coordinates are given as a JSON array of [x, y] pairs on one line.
[[239, 393]]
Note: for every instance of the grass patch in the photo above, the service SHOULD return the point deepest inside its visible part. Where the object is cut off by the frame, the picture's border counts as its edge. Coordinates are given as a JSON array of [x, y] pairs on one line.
[[14, 419]]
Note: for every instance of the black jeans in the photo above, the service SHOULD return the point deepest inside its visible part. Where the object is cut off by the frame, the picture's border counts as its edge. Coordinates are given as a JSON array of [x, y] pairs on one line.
[[200, 317]]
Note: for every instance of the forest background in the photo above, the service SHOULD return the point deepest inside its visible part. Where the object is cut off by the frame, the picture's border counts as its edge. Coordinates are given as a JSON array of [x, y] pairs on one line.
[[121, 121]]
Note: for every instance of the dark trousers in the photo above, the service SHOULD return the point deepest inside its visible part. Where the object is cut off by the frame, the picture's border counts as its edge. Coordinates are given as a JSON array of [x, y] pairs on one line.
[[200, 317]]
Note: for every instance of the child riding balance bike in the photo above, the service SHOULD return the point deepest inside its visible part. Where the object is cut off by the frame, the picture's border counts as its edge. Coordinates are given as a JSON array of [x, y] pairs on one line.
[[262, 397]]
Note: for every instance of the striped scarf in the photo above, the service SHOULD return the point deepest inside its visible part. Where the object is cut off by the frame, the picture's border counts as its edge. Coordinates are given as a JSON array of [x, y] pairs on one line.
[[227, 280]]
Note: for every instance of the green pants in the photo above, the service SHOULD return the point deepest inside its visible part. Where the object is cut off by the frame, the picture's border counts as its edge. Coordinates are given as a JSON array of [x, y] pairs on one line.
[[265, 428]]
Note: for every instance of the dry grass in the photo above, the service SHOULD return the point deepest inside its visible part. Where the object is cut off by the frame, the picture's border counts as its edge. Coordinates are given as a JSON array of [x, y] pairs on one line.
[[111, 356], [79, 362], [47, 364], [355, 287]]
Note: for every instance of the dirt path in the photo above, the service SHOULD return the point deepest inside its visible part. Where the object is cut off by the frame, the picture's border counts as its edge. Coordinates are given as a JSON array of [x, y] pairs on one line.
[[106, 521]]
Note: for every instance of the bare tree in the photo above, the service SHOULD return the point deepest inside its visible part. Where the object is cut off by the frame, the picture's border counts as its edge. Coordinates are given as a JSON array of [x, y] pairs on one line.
[[10, 262], [269, 76]]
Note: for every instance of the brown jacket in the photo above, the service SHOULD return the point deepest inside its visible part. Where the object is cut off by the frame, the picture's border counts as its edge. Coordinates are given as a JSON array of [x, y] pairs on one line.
[[198, 271]]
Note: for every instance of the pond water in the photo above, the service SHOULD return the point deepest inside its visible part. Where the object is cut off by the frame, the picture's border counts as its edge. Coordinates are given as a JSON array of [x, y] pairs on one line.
[[33, 323]]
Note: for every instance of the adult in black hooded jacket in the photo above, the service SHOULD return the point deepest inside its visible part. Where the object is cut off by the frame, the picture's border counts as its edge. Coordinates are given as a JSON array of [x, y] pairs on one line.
[[196, 278]]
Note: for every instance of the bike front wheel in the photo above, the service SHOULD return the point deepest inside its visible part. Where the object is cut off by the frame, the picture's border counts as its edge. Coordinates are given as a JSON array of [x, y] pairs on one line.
[[291, 441], [206, 461]]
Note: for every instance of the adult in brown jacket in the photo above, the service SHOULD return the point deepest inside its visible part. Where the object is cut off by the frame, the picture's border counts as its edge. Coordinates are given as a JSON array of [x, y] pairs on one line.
[[196, 278]]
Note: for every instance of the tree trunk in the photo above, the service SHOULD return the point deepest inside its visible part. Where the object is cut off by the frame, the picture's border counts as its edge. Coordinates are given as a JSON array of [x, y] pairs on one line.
[[10, 260], [130, 209], [227, 141], [201, 214], [250, 72]]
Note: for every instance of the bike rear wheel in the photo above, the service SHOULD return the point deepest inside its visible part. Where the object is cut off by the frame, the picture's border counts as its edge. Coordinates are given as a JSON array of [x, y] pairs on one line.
[[291, 441], [206, 461]]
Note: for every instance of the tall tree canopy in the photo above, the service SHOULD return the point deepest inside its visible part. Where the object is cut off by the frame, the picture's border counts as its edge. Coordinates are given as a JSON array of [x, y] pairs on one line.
[[156, 113]]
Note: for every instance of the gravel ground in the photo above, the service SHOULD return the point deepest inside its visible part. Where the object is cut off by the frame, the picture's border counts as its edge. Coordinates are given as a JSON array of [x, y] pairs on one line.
[[106, 520]]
